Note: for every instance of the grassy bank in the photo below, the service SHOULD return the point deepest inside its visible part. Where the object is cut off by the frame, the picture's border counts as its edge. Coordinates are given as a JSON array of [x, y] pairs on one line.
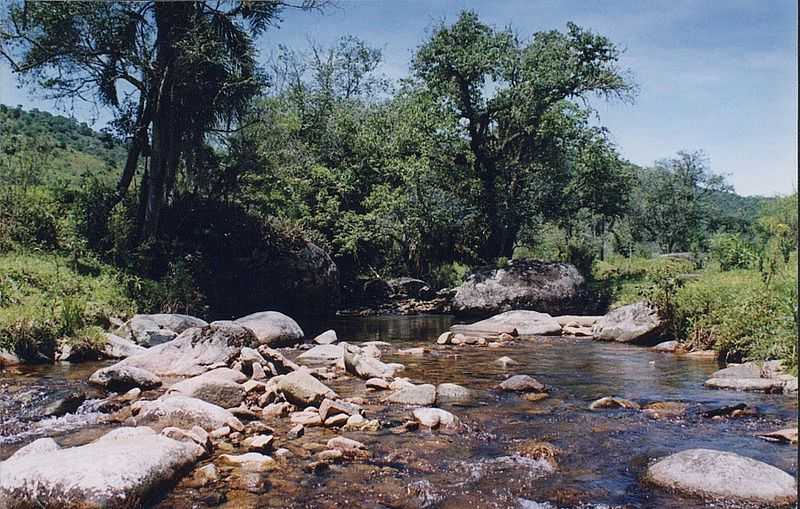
[[744, 314], [47, 298]]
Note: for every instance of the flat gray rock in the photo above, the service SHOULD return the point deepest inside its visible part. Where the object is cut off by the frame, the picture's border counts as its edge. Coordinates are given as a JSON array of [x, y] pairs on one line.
[[422, 395], [746, 384], [151, 330], [194, 352], [122, 469], [212, 387], [724, 476], [527, 324]]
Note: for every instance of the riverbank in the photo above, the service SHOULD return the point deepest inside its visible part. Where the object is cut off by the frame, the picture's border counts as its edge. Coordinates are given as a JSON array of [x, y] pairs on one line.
[[497, 455]]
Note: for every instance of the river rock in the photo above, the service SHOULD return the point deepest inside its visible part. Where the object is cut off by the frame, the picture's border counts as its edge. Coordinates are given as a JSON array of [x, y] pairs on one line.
[[521, 383], [423, 395], [120, 378], [505, 362], [723, 476], [788, 435], [323, 354], [524, 284], [194, 352], [435, 417], [667, 346], [613, 402], [212, 388], [8, 358], [453, 393], [151, 330], [277, 360], [273, 328], [259, 443], [767, 385], [123, 468], [331, 407], [576, 320], [377, 384], [364, 366], [65, 405], [183, 412], [302, 389], [664, 409], [117, 347], [326, 338], [635, 323], [526, 323], [252, 461]]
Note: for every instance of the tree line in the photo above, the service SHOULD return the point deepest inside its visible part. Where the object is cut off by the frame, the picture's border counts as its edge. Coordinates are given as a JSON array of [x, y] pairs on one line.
[[487, 150]]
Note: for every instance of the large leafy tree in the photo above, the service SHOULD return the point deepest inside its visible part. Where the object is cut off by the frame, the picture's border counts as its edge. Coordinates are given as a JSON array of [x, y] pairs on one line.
[[675, 205], [172, 73], [513, 99]]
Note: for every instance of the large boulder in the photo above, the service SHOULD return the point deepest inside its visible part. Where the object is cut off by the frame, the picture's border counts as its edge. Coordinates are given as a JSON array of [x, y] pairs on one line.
[[409, 288], [556, 288], [273, 328], [213, 388], [636, 323], [526, 323], [123, 469], [724, 476], [149, 330], [194, 352], [174, 410]]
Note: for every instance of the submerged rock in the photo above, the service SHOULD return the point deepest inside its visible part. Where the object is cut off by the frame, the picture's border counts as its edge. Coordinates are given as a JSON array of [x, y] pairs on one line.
[[524, 284], [635, 323], [521, 383], [788, 435], [273, 328], [613, 402], [123, 468], [723, 476], [526, 323], [194, 352]]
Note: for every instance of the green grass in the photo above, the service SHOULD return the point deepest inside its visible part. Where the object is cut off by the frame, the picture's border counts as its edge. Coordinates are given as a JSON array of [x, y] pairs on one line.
[[742, 314], [627, 279], [47, 298]]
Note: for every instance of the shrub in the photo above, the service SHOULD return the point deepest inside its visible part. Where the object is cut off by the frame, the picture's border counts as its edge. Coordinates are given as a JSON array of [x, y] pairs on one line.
[[732, 252], [448, 275]]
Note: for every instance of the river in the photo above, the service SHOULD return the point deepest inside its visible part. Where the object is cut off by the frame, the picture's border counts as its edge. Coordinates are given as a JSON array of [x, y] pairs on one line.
[[602, 457]]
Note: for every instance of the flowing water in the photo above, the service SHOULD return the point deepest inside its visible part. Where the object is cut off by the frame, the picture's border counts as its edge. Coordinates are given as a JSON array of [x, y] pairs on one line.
[[602, 457]]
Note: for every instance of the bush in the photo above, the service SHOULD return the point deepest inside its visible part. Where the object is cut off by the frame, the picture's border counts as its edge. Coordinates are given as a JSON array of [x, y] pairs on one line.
[[448, 275], [739, 315], [47, 298], [732, 252]]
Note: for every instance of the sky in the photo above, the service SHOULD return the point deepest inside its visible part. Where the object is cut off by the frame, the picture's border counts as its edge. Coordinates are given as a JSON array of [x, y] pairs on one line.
[[712, 75]]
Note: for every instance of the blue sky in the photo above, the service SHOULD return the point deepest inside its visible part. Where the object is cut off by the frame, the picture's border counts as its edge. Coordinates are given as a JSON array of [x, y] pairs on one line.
[[717, 75]]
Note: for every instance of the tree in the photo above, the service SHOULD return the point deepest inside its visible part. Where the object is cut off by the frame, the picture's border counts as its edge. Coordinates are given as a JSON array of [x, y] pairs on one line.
[[172, 73], [600, 184], [511, 98], [676, 205]]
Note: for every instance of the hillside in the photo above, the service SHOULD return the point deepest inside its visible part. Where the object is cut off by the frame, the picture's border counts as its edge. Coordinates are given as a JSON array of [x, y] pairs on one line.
[[66, 149]]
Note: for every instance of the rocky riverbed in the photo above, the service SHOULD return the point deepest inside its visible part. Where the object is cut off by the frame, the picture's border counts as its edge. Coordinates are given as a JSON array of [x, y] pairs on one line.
[[532, 422]]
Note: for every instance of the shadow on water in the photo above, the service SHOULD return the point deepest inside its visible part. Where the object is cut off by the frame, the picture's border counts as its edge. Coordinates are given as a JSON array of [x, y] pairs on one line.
[[602, 456]]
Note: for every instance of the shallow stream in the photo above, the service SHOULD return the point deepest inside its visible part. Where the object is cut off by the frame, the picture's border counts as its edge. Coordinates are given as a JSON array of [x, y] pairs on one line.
[[603, 454]]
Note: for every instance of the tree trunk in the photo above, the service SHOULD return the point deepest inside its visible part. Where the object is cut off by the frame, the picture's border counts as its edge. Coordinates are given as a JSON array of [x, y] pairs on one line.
[[171, 18]]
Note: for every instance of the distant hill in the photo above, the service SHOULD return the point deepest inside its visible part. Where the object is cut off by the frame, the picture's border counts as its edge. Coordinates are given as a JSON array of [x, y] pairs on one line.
[[736, 212], [77, 149]]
